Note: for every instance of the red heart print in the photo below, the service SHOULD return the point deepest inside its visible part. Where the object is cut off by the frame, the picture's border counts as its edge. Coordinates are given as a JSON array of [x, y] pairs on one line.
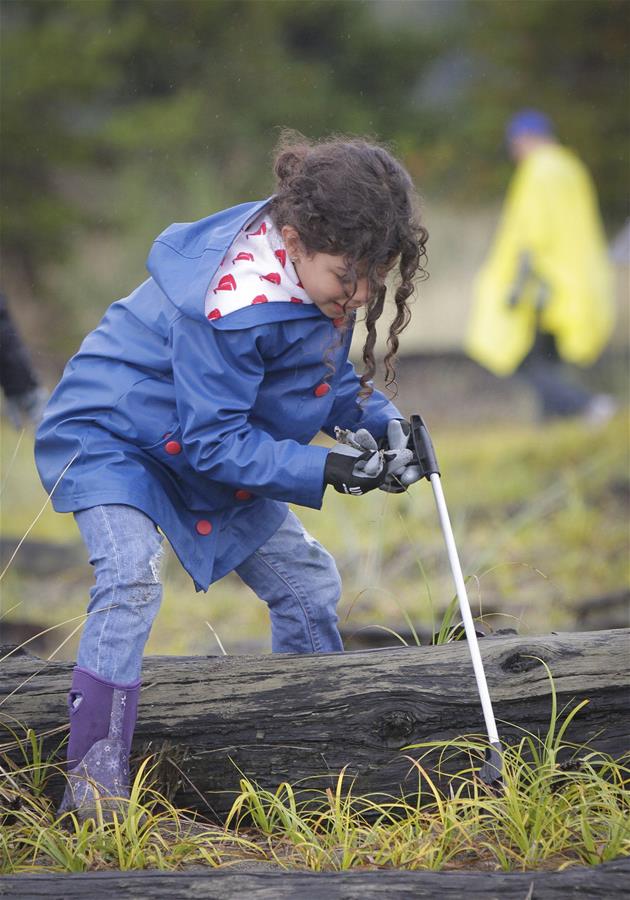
[[273, 277], [261, 298], [227, 283], [282, 256], [259, 231], [214, 314], [243, 255]]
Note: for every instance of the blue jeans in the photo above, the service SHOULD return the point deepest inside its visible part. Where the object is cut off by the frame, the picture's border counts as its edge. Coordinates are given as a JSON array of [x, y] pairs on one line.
[[291, 572]]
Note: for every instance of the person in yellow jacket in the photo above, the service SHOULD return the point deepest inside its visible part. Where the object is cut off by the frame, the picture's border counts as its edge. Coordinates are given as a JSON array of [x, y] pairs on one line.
[[545, 293]]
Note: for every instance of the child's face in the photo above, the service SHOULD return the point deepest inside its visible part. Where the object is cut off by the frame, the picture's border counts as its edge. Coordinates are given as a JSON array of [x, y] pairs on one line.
[[327, 282], [326, 279]]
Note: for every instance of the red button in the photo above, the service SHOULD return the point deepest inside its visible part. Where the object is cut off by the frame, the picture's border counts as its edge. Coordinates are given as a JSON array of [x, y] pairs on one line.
[[321, 390], [242, 495], [339, 322], [203, 526], [173, 447]]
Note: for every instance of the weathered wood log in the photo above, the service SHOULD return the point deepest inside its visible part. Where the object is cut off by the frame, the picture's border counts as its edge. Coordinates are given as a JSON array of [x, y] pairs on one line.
[[303, 718], [608, 881]]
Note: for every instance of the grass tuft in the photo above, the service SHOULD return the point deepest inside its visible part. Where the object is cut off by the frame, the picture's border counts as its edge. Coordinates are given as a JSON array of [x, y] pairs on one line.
[[560, 805]]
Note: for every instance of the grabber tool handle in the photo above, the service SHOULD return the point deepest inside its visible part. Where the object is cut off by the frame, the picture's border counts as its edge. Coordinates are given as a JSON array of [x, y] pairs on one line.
[[425, 456], [422, 446]]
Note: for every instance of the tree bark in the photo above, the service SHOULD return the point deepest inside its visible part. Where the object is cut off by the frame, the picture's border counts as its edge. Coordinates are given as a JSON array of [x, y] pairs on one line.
[[608, 881], [303, 718]]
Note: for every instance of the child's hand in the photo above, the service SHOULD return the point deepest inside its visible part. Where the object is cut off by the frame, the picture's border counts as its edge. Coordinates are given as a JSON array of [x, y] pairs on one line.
[[397, 439], [353, 470], [359, 440]]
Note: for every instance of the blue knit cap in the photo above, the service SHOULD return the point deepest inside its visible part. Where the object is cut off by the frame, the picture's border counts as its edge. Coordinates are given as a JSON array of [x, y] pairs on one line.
[[528, 121]]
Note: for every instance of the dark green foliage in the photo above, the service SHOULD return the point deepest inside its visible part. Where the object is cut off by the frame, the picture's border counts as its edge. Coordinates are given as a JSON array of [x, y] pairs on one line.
[[569, 58], [174, 85], [56, 58]]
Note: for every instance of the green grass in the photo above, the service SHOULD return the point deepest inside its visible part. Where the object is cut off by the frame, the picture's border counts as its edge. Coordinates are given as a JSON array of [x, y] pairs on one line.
[[549, 815], [540, 519]]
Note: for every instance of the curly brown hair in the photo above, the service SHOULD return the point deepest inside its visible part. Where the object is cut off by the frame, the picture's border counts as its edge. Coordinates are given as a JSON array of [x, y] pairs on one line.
[[350, 197]]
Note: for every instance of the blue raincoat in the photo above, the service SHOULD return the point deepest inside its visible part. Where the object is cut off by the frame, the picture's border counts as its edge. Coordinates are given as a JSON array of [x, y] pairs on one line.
[[204, 425]]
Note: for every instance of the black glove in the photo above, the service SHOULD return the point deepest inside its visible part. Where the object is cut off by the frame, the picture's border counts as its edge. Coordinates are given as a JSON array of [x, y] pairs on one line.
[[398, 431], [351, 470]]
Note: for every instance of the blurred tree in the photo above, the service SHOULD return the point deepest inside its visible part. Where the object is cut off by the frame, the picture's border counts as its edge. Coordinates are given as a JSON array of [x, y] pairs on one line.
[[178, 84], [56, 59], [178, 87], [571, 59], [240, 69]]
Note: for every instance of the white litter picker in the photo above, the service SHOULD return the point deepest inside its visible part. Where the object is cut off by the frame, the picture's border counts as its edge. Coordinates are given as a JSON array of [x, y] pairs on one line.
[[420, 443]]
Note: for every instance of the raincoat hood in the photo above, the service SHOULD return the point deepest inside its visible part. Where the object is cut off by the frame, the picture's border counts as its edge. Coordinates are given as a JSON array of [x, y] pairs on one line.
[[186, 255]]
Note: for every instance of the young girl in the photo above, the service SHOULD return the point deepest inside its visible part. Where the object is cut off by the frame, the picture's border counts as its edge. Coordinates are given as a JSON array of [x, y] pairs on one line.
[[189, 410]]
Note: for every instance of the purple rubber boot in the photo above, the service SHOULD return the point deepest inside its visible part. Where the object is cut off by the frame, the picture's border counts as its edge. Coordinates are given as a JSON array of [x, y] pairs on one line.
[[102, 721]]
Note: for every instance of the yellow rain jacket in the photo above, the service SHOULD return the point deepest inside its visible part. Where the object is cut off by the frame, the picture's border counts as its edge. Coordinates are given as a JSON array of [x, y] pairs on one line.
[[547, 269]]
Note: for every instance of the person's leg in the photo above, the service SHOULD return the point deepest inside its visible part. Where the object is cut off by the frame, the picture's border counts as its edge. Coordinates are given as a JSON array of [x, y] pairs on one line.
[[557, 395], [124, 547], [299, 581]]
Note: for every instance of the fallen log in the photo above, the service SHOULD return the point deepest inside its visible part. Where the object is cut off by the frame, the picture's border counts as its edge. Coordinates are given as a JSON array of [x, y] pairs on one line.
[[607, 881], [303, 718]]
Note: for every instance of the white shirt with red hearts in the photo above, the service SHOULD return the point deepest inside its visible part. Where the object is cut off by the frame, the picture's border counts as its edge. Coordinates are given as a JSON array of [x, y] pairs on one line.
[[256, 269]]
